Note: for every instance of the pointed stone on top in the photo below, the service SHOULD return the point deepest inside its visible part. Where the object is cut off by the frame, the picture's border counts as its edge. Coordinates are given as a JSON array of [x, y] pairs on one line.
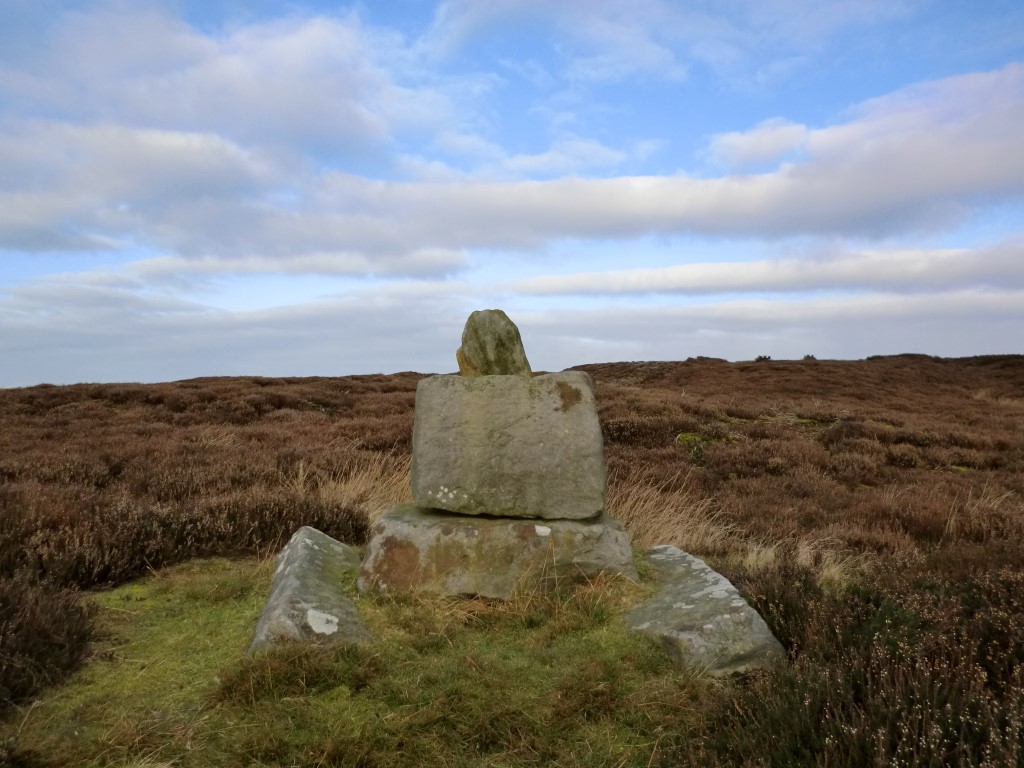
[[492, 346]]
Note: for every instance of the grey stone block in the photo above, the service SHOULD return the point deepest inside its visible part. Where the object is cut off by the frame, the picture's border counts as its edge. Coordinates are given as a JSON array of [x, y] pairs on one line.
[[700, 619], [509, 446], [307, 601], [412, 548]]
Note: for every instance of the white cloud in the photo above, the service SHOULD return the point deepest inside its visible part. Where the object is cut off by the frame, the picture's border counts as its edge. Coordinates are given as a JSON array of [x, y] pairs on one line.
[[903, 161], [462, 143], [532, 71], [955, 323], [108, 330], [428, 262], [61, 331], [625, 46], [328, 83], [455, 21], [115, 162], [807, 24], [769, 141], [908, 161], [764, 318], [568, 154], [85, 305], [602, 41], [68, 187], [608, 41], [1000, 266]]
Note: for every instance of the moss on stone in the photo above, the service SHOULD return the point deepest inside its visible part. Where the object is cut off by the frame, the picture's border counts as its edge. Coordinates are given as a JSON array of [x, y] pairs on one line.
[[568, 394], [492, 346]]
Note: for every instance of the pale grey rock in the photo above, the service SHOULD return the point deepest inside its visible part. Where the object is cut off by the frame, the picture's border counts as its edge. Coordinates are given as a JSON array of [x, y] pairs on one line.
[[491, 346], [700, 619], [509, 446], [413, 548], [307, 601]]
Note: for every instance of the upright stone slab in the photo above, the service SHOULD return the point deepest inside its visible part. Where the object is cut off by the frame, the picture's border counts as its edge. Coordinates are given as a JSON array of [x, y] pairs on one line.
[[491, 346], [412, 548], [509, 446], [700, 619], [307, 602]]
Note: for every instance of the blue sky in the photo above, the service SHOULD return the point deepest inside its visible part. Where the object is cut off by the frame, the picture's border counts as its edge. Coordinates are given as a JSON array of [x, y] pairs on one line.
[[222, 187]]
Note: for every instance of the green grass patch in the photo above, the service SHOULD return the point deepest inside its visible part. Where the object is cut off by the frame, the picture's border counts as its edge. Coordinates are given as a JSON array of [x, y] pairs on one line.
[[161, 643], [695, 444], [538, 680]]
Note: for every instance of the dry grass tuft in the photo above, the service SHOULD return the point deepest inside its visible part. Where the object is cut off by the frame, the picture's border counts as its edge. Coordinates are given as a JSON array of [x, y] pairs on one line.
[[372, 485], [670, 512]]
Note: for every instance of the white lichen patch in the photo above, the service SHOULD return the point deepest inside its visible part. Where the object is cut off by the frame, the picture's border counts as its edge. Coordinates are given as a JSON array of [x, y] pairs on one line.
[[321, 623], [542, 530], [445, 494]]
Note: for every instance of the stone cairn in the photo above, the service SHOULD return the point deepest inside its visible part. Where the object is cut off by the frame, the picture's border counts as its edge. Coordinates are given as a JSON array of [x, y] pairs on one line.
[[508, 480]]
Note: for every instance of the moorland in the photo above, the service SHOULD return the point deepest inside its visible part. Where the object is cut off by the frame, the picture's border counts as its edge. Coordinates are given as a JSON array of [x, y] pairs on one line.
[[872, 511]]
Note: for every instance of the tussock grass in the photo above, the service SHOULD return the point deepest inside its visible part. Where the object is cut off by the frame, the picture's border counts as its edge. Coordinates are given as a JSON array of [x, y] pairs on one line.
[[833, 568], [669, 512], [372, 485], [368, 484]]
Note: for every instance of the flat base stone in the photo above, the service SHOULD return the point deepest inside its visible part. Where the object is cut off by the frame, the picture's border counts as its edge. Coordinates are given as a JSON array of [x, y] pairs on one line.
[[509, 446], [700, 619], [307, 602], [442, 553]]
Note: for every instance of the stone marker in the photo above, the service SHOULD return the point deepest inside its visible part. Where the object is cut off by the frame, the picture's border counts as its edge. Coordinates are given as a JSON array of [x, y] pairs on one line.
[[700, 618], [448, 554], [508, 480], [491, 346], [307, 602], [509, 446]]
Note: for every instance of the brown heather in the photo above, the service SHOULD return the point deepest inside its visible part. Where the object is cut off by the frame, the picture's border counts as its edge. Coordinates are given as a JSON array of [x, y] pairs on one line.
[[873, 511]]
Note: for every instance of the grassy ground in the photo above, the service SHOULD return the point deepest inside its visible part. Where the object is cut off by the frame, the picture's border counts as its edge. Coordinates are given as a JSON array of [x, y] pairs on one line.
[[873, 511], [541, 680]]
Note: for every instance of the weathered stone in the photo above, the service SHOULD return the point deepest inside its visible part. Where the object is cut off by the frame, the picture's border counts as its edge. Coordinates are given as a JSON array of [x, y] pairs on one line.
[[491, 346], [509, 446], [307, 602], [413, 548], [700, 618]]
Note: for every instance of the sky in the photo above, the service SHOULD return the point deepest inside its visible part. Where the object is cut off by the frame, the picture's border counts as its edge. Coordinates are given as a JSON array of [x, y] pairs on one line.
[[218, 187]]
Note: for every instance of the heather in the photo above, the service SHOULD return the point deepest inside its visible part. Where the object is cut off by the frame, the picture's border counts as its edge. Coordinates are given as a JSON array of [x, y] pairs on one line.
[[871, 510]]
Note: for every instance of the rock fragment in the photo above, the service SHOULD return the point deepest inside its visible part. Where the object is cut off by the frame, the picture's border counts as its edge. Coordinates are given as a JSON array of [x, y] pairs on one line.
[[307, 601], [491, 346], [700, 619]]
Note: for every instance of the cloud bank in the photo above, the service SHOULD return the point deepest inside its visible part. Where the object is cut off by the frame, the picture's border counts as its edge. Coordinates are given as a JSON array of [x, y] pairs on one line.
[[403, 174]]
